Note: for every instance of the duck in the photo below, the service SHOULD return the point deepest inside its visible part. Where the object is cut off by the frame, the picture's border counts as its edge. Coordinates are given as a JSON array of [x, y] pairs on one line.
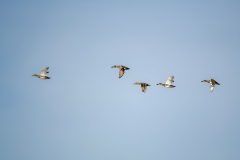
[[143, 85], [168, 83], [212, 83], [43, 74], [121, 69]]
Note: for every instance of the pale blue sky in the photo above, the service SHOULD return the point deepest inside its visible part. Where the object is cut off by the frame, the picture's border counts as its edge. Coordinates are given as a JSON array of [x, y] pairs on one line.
[[85, 112]]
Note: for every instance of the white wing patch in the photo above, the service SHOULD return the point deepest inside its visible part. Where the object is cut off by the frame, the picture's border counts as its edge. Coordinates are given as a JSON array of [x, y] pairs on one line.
[[211, 88], [170, 80], [44, 71]]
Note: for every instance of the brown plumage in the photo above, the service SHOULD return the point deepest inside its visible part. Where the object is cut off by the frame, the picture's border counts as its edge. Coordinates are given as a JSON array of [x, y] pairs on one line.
[[212, 83], [143, 86], [121, 69]]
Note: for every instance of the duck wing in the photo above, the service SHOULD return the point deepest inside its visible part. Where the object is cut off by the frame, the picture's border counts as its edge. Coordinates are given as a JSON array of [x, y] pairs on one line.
[[170, 80], [144, 88], [215, 82], [44, 71], [121, 72], [211, 87]]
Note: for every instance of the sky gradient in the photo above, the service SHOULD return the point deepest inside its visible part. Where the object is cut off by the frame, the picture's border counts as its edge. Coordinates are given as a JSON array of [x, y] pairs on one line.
[[85, 112]]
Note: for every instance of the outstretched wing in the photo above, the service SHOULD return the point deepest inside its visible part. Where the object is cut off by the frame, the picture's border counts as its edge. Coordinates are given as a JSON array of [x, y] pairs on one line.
[[121, 72], [44, 71], [211, 87], [144, 88], [170, 80], [215, 82]]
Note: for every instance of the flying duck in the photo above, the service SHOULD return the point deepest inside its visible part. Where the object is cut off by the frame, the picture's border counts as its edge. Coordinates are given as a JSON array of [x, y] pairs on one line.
[[212, 83], [43, 74], [143, 86], [168, 83], [121, 69]]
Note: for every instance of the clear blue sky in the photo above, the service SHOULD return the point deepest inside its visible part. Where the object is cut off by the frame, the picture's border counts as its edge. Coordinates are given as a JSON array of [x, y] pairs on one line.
[[85, 112]]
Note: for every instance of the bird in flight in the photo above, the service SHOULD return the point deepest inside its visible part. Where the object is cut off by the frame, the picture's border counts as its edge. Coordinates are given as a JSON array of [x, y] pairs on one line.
[[168, 83], [43, 74], [143, 86], [121, 69], [212, 83]]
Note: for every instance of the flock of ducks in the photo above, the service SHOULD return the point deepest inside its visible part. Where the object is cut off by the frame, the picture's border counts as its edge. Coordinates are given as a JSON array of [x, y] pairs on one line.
[[168, 84]]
